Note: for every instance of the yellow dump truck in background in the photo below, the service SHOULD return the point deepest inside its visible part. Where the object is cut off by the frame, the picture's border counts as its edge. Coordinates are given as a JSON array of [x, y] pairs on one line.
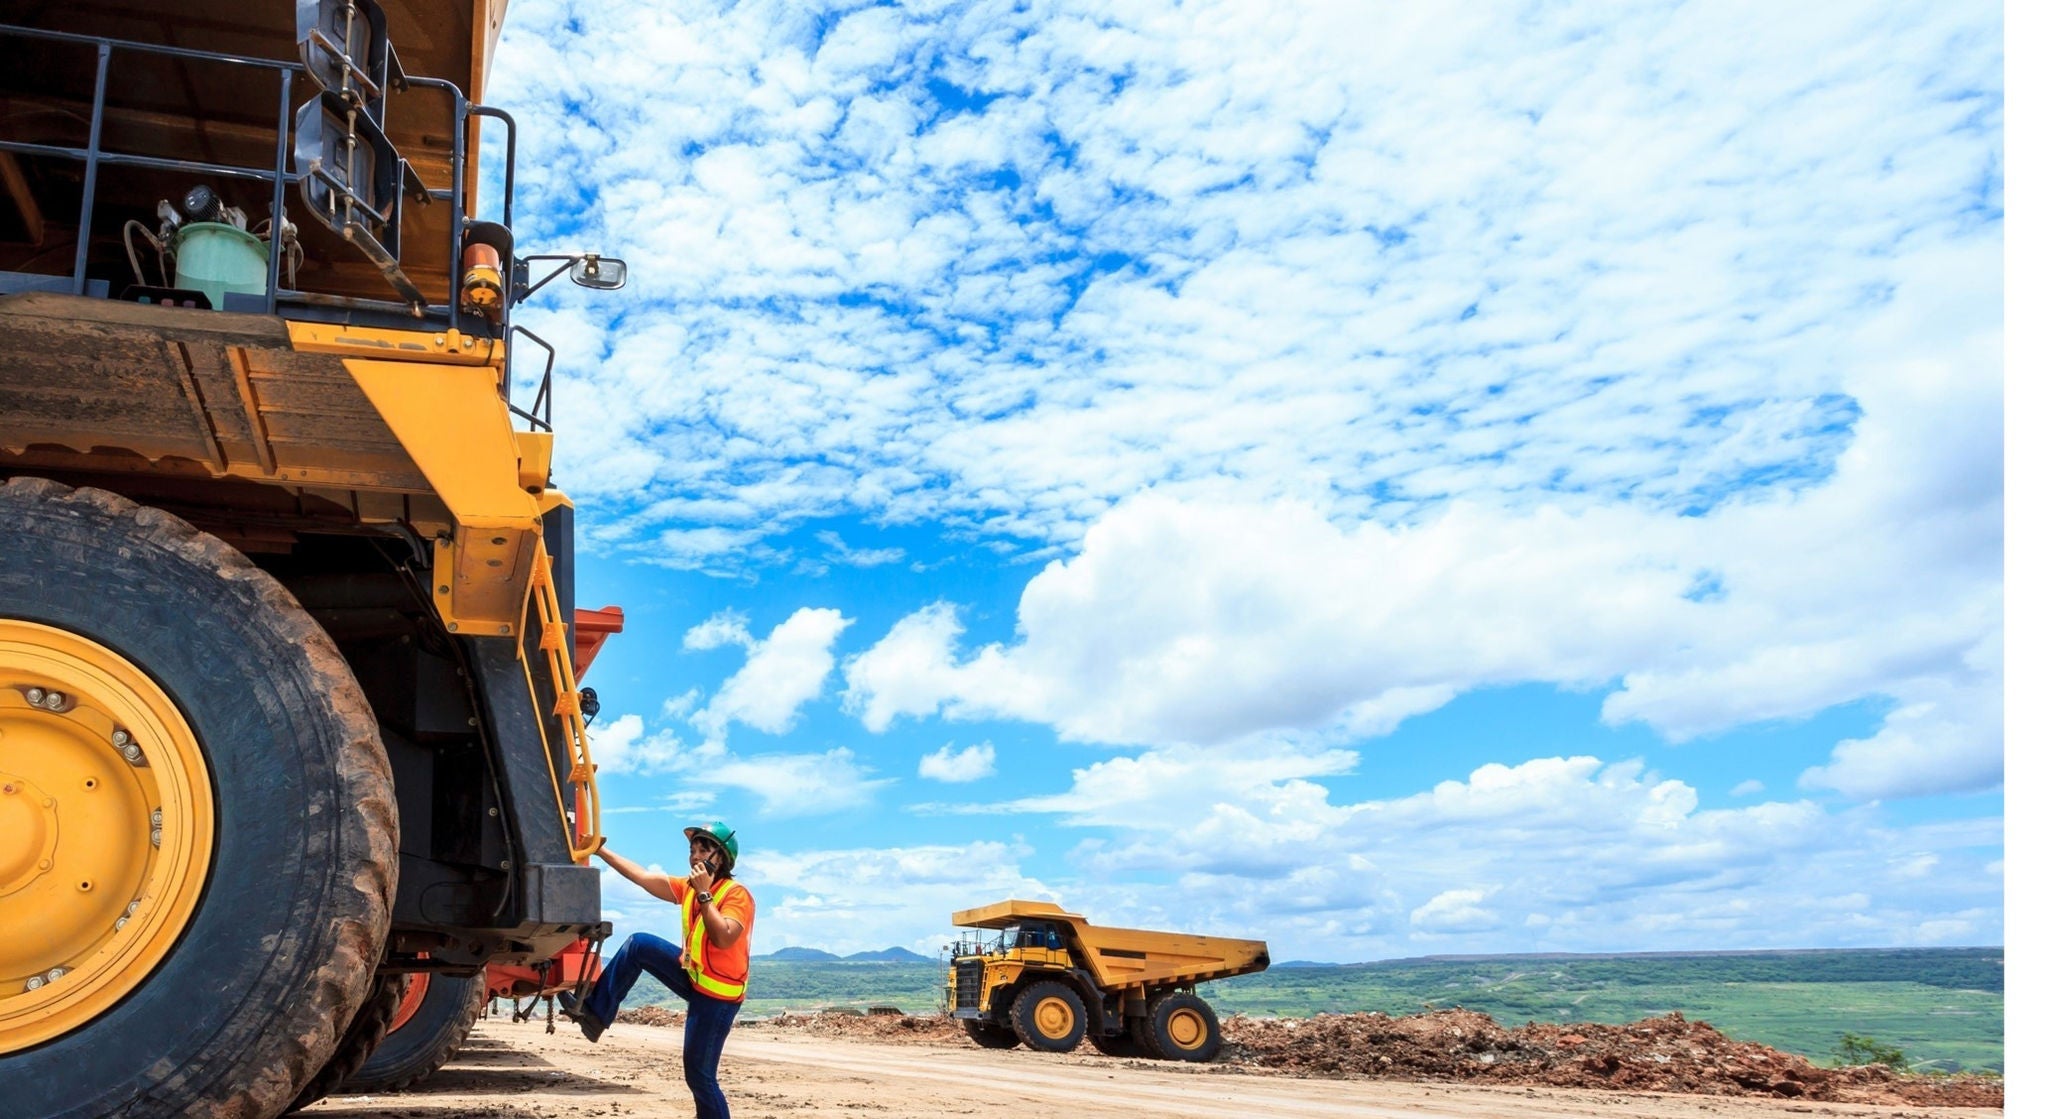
[[1048, 978]]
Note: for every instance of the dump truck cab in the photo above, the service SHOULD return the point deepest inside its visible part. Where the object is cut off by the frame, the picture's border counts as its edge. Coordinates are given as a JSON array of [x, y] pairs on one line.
[[1047, 978]]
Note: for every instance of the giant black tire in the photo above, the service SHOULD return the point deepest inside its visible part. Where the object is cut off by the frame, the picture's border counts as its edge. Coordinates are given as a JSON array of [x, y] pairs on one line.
[[1050, 1017], [1184, 1028], [1144, 1040], [991, 1035], [361, 1038], [280, 950], [417, 1047]]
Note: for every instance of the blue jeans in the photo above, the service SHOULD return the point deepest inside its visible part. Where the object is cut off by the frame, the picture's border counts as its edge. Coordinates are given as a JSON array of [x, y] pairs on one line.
[[704, 1028]]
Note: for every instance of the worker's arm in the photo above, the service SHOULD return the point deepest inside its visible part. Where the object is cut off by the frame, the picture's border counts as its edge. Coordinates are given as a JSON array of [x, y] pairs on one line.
[[720, 929], [656, 884]]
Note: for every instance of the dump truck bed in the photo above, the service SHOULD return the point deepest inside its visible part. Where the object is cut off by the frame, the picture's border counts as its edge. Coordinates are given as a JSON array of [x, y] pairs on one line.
[[1121, 958]]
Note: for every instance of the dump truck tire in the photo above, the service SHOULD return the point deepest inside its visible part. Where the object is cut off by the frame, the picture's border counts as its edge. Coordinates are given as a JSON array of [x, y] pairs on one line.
[[217, 898], [1050, 1017], [991, 1035], [418, 1046], [1185, 1028], [363, 1035], [1139, 1030]]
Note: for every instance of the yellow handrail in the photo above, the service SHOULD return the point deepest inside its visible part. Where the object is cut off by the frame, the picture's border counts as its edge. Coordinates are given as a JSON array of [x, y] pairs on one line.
[[554, 647]]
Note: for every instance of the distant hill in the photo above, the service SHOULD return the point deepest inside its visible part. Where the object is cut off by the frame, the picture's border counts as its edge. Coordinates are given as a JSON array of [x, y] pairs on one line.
[[807, 955], [1306, 963], [890, 955]]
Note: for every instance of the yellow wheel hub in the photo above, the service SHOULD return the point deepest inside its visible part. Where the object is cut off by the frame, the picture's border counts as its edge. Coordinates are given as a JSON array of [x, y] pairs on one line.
[[106, 830], [1053, 1018], [1187, 1029]]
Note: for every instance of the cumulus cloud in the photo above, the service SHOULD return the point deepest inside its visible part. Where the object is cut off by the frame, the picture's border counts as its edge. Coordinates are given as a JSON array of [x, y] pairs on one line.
[[782, 672], [625, 746], [1003, 266], [1457, 911], [969, 763], [796, 784], [1561, 853], [839, 551], [1199, 620]]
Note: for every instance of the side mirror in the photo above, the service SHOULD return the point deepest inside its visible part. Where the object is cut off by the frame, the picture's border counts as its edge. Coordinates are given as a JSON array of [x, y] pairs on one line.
[[605, 273]]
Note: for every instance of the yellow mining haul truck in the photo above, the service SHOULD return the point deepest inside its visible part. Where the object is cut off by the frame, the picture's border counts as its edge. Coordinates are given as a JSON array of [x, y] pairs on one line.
[[1049, 978], [287, 709]]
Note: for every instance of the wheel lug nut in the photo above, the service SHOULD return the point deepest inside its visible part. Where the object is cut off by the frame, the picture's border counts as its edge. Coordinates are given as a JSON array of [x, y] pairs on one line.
[[120, 737], [156, 817], [156, 837], [35, 697], [54, 701]]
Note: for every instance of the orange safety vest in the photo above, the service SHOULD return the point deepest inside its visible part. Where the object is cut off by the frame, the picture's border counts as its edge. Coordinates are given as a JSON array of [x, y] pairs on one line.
[[718, 972]]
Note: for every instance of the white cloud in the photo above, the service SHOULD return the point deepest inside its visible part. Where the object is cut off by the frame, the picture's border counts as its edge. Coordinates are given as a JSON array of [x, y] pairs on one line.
[[623, 746], [1004, 266], [841, 552], [1455, 911], [1565, 854], [1946, 736], [796, 784], [727, 627], [1198, 620], [781, 673], [969, 763], [1747, 788], [680, 707]]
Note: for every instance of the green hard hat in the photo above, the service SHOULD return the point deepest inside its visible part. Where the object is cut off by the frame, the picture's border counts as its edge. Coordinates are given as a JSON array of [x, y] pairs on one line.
[[718, 833]]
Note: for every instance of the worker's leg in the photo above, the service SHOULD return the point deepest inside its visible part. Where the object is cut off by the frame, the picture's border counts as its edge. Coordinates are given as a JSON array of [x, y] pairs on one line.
[[704, 1032], [642, 952]]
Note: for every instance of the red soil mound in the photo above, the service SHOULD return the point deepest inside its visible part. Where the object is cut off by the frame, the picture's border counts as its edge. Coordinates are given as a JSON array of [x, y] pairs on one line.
[[1668, 1054]]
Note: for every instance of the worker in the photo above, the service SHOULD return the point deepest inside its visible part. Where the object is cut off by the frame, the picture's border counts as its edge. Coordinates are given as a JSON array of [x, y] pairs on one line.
[[709, 972]]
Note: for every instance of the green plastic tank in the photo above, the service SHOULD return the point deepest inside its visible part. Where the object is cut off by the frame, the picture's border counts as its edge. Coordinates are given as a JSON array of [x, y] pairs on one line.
[[218, 259]]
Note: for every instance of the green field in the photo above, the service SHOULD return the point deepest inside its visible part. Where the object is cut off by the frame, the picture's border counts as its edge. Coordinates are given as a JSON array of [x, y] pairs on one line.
[[1944, 1006]]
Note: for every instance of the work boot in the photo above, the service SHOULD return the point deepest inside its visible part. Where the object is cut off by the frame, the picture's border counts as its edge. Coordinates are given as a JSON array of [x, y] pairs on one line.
[[573, 1009]]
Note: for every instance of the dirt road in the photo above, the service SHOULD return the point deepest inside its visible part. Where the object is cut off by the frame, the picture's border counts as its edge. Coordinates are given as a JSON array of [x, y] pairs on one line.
[[516, 1071]]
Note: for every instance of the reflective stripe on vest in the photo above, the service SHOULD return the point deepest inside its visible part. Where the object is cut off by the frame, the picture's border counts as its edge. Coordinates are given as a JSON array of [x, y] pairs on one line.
[[693, 935]]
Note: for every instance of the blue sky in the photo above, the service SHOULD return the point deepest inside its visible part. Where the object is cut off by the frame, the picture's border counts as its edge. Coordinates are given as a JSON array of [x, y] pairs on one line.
[[1387, 480]]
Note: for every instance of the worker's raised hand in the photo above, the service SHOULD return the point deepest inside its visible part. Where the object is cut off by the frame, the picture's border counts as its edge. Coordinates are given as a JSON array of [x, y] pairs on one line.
[[700, 878]]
